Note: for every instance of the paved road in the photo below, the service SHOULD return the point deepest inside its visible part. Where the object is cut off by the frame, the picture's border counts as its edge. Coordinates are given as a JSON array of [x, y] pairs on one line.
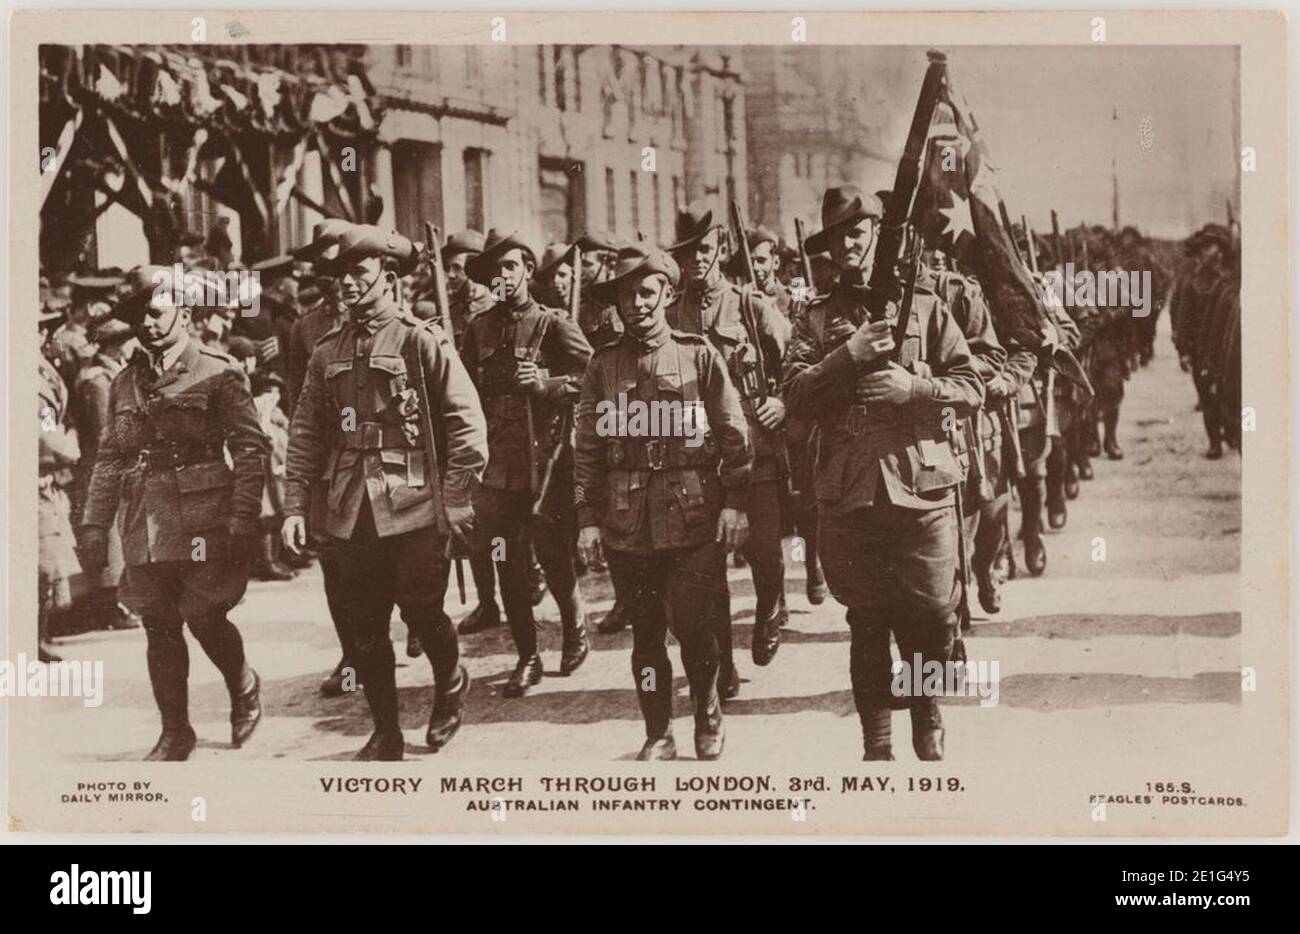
[[1125, 655]]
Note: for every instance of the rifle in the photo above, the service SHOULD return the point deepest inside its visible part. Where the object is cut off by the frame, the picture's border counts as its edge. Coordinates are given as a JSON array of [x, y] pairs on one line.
[[439, 277], [804, 262], [1033, 247], [1011, 231], [553, 460], [575, 288], [885, 285], [457, 550], [963, 571], [1056, 242], [751, 328]]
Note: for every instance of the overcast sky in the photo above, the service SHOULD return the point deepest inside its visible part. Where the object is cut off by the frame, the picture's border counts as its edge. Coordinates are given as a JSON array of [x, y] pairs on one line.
[[1046, 114]]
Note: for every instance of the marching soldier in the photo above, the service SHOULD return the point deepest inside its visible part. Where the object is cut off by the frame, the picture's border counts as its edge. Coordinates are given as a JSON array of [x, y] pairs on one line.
[[1190, 308], [553, 281], [712, 307], [59, 453], [466, 298], [598, 318], [525, 359], [661, 510], [885, 471], [92, 414], [321, 313], [188, 521], [977, 442], [390, 419]]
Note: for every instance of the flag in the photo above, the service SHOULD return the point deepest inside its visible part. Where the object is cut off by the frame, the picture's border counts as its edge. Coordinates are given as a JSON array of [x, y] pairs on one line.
[[956, 210]]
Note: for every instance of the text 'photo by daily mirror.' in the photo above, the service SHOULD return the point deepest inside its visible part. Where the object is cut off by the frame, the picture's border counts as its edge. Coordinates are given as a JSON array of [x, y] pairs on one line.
[[676, 423]]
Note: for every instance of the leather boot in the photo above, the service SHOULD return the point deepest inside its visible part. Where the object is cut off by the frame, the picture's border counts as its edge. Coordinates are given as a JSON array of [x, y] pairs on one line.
[[1085, 471], [1111, 444], [658, 749], [168, 662], [876, 730], [527, 673], [709, 733], [266, 568], [382, 747], [484, 616], [1035, 555], [728, 681], [245, 708], [537, 580], [990, 594], [173, 746], [767, 634], [1057, 514], [1215, 452], [1071, 482], [576, 645], [615, 620], [927, 730], [448, 711], [815, 586]]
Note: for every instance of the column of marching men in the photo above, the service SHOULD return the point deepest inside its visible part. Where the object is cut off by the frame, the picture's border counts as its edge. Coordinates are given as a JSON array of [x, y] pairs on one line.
[[356, 421]]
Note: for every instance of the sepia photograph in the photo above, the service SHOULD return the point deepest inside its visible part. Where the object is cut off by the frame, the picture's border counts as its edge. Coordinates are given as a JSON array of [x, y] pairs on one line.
[[675, 430]]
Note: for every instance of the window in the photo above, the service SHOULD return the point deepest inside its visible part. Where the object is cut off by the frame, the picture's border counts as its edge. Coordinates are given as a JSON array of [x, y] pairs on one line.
[[475, 191], [473, 64], [417, 186], [561, 98], [611, 210], [657, 207], [679, 200], [635, 188], [403, 56], [541, 75], [563, 214]]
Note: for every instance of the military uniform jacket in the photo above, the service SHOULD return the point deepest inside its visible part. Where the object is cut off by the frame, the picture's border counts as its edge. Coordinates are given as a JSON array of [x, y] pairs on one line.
[[92, 413], [494, 342], [357, 428], [714, 312], [861, 446], [466, 305], [306, 331], [59, 448], [161, 455], [651, 491], [600, 323], [984, 428]]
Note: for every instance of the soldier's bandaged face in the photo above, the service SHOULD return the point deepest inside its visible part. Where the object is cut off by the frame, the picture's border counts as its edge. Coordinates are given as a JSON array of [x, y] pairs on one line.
[[851, 248], [642, 302]]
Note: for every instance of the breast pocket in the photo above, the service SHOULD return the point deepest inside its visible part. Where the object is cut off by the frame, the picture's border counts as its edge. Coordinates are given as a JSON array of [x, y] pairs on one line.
[[388, 376], [183, 417], [338, 381], [204, 495]]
